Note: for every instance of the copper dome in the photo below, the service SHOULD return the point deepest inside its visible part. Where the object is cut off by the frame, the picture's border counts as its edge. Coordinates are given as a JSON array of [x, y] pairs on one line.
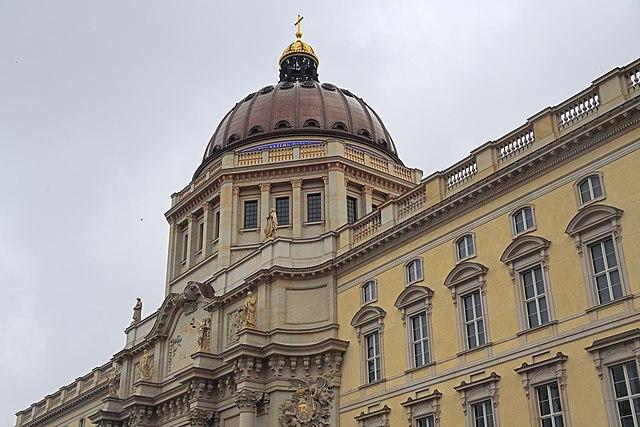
[[299, 108]]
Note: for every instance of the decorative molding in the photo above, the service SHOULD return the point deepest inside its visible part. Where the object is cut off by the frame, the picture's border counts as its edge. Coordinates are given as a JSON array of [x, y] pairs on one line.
[[543, 371], [378, 418], [310, 405]]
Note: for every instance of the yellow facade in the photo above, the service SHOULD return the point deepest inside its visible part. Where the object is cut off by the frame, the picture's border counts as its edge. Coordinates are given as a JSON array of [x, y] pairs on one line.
[[574, 326]]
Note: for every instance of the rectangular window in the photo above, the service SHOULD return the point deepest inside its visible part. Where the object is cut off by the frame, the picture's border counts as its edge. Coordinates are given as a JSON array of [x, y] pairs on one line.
[[605, 269], [282, 210], [549, 405], [626, 386], [373, 356], [369, 291], [217, 234], [482, 414], [425, 422], [523, 220], [465, 247], [535, 297], [590, 189], [352, 209], [314, 207], [473, 319], [250, 214], [200, 235], [185, 246], [420, 339]]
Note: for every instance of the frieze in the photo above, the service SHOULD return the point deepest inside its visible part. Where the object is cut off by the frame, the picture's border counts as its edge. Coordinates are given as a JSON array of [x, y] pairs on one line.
[[174, 345]]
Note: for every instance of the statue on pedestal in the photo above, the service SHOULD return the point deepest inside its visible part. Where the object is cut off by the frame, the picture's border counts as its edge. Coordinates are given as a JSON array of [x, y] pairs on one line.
[[137, 311], [144, 367], [113, 380], [250, 310], [271, 226]]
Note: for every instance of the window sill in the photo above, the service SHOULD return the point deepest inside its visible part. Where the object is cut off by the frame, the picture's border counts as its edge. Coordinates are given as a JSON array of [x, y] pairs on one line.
[[417, 368], [371, 384], [183, 262], [522, 233], [285, 226], [199, 252], [414, 282], [474, 349], [248, 230], [590, 202], [610, 303], [214, 241], [308, 224], [537, 328], [369, 302], [467, 258]]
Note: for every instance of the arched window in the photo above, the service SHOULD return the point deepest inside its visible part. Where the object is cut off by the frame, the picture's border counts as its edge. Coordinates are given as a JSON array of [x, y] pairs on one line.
[[589, 189], [282, 124], [413, 270], [369, 291], [465, 247], [311, 124], [339, 126], [365, 133], [522, 220], [233, 138], [254, 130]]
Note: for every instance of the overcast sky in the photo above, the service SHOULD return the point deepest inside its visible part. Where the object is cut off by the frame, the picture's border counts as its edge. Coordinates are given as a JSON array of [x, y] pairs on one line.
[[106, 108]]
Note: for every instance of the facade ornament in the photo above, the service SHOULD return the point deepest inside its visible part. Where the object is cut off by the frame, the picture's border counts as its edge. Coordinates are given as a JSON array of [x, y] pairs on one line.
[[137, 312], [201, 418], [271, 227], [310, 405], [249, 310], [234, 325], [204, 332], [246, 399], [174, 345], [145, 367], [113, 381]]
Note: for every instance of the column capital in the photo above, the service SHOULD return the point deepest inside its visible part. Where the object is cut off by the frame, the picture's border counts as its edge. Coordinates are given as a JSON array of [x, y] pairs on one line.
[[296, 183], [368, 190], [265, 186], [246, 399], [325, 179], [208, 205], [236, 190]]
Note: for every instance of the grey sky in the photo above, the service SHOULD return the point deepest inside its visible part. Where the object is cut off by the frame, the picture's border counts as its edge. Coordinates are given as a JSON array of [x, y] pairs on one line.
[[106, 108]]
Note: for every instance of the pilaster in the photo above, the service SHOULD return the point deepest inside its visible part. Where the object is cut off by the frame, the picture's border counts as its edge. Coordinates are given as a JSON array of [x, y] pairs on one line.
[[227, 199], [337, 196], [246, 400], [368, 199], [208, 228], [265, 198], [192, 241], [296, 204]]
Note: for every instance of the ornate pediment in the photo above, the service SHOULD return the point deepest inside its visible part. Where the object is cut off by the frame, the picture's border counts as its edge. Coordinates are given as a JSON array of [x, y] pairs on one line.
[[464, 272], [174, 304], [366, 314], [592, 216], [522, 246], [412, 294]]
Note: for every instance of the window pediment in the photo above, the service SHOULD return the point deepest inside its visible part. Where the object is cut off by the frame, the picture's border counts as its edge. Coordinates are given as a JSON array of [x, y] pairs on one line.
[[592, 216], [367, 314], [522, 246], [464, 272], [413, 294]]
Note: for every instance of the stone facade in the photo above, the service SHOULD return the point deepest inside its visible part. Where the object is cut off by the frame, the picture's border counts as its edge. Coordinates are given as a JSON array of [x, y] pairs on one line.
[[276, 330]]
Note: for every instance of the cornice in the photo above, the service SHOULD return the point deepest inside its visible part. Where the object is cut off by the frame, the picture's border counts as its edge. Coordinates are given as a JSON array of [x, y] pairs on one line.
[[529, 167]]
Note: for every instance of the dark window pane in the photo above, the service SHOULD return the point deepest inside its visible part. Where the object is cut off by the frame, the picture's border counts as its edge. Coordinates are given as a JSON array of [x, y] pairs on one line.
[[282, 210], [352, 209], [314, 207], [251, 214]]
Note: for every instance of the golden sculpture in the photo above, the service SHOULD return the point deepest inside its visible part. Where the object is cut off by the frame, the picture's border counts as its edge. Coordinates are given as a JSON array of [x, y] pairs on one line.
[[144, 367], [271, 226], [250, 310]]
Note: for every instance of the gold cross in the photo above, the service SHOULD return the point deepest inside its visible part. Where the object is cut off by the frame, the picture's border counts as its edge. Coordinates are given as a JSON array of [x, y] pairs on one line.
[[299, 32]]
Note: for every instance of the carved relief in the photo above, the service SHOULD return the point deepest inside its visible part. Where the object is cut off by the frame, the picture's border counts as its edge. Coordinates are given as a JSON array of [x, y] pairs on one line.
[[310, 405], [250, 310], [174, 345], [204, 332], [234, 324], [113, 379], [144, 367]]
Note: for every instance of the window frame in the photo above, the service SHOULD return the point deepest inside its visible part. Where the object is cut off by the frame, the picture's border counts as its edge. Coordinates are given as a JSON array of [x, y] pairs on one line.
[[244, 214], [581, 203], [522, 254], [512, 220], [413, 301], [368, 320], [306, 207], [607, 269], [458, 240], [423, 407], [590, 225], [355, 201], [278, 198], [374, 293], [534, 375], [630, 396], [467, 278], [376, 357], [420, 277], [478, 391], [184, 245], [608, 352]]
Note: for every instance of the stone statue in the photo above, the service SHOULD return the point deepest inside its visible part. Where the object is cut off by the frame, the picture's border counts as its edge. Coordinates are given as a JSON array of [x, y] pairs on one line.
[[250, 310], [145, 368], [113, 380], [204, 330], [272, 225], [137, 311]]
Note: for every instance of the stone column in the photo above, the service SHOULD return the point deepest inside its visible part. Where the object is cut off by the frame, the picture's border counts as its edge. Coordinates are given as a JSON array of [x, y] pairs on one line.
[[265, 205], [337, 198], [192, 229], [227, 199], [171, 255], [368, 199], [208, 228], [246, 402], [296, 204]]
